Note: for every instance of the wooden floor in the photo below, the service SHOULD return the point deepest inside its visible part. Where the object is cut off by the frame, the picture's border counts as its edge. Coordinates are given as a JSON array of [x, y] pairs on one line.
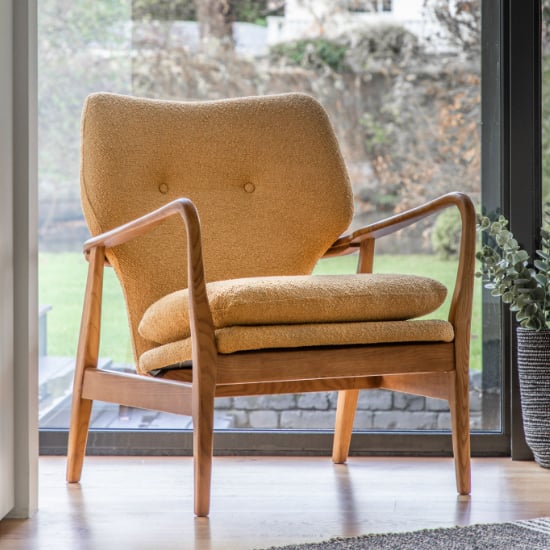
[[146, 503]]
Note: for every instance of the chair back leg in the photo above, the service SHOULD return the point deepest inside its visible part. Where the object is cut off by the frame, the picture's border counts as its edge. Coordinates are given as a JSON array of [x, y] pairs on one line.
[[345, 415]]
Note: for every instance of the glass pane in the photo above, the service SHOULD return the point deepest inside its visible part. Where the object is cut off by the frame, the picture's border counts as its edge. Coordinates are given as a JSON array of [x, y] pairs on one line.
[[83, 47], [401, 83]]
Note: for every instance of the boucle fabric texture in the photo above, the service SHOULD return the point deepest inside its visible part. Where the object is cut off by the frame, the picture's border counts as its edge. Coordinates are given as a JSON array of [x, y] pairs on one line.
[[241, 338], [265, 174], [297, 300]]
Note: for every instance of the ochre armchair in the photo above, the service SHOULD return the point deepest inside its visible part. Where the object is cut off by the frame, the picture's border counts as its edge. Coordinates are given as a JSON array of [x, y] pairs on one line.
[[213, 216]]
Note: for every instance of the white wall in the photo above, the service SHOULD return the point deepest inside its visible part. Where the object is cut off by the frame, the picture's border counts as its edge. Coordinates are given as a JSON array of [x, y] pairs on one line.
[[7, 471], [18, 259], [25, 256]]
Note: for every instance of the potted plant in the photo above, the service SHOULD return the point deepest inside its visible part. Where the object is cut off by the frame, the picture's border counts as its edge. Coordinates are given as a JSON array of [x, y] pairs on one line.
[[523, 283]]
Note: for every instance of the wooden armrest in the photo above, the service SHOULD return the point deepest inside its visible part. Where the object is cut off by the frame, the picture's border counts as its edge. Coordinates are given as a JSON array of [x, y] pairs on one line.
[[350, 242], [139, 226], [199, 309], [364, 238]]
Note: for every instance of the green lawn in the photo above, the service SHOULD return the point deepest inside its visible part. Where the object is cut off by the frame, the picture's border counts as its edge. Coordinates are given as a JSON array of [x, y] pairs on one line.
[[62, 278]]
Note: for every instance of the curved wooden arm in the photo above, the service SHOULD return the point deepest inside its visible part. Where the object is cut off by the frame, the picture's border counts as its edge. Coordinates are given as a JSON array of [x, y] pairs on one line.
[[350, 242], [461, 303], [200, 316], [143, 224], [460, 312]]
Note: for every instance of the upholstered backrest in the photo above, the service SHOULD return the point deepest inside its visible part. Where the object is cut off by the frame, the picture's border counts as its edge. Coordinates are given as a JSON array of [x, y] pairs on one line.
[[265, 174]]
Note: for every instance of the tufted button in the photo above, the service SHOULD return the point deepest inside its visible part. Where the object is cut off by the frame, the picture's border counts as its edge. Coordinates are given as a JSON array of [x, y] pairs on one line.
[[163, 188], [249, 187]]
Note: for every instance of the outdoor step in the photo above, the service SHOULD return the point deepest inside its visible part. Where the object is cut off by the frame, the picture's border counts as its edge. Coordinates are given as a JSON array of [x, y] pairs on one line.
[[55, 381], [55, 389]]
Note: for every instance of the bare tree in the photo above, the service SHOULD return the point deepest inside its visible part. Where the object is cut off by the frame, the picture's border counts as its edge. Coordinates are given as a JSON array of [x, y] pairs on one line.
[[462, 21], [215, 19]]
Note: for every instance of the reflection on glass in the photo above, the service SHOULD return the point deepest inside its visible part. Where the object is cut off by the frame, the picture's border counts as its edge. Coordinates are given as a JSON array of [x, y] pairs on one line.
[[400, 81]]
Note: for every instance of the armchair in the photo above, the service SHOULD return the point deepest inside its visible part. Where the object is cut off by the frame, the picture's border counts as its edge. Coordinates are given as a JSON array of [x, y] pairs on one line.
[[213, 215]]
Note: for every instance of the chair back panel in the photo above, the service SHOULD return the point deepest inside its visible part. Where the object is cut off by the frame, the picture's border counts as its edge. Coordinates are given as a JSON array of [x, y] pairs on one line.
[[265, 174]]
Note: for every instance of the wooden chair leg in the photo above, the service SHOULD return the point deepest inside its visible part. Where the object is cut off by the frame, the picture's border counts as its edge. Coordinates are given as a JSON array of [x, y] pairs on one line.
[[203, 439], [78, 435], [460, 419], [86, 357], [345, 415], [347, 399]]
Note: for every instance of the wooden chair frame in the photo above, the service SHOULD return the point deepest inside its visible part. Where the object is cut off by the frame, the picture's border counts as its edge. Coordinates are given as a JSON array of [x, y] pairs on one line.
[[433, 369]]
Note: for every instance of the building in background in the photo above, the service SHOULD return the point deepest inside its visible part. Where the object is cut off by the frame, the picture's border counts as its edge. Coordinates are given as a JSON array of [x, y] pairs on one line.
[[329, 18]]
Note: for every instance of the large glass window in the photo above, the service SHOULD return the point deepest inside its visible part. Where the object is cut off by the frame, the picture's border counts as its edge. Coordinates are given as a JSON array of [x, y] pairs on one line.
[[401, 84], [82, 47]]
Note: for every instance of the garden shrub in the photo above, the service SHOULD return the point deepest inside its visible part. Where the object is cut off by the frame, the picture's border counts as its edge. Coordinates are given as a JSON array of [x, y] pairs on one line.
[[311, 54], [446, 234]]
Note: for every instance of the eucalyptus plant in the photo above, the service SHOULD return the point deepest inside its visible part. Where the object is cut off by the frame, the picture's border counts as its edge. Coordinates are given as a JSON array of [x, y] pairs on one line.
[[509, 271]]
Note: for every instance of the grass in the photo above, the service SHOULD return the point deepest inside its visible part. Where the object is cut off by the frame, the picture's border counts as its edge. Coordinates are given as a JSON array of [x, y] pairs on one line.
[[62, 278]]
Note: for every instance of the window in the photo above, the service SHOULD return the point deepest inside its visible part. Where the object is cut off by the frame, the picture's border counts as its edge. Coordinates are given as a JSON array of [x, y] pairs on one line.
[[369, 6], [115, 46]]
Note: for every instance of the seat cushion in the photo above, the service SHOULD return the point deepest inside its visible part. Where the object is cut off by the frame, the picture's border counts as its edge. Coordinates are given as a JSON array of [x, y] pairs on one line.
[[294, 300], [246, 338]]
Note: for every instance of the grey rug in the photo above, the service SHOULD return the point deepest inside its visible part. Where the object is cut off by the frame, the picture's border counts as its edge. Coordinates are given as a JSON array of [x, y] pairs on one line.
[[531, 534]]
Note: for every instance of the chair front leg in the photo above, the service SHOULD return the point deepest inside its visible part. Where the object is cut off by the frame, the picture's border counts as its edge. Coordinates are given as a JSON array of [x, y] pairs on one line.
[[203, 440], [81, 412], [87, 357], [459, 404]]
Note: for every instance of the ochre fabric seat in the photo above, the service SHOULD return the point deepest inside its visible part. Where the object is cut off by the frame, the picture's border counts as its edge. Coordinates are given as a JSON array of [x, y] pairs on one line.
[[246, 338], [297, 299], [298, 311], [213, 215]]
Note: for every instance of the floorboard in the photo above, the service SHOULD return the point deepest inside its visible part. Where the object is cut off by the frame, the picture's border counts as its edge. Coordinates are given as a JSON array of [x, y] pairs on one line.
[[146, 503]]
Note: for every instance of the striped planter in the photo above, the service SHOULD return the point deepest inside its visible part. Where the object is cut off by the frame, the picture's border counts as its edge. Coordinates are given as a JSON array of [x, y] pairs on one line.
[[534, 385]]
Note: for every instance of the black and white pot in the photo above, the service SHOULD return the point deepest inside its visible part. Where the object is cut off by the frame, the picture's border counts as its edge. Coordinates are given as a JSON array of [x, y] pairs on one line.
[[534, 385]]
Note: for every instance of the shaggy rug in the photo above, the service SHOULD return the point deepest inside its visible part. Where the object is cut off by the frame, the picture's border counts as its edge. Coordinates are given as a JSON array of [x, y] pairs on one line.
[[531, 534]]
